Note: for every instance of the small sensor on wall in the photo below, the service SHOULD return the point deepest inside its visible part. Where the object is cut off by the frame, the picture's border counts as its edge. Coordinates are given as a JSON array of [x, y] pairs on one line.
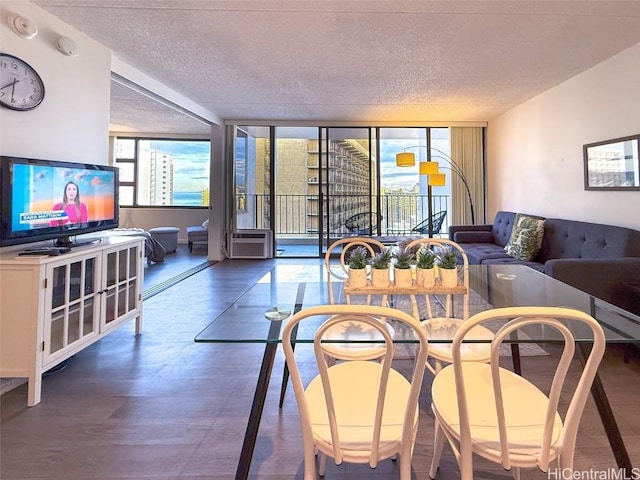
[[67, 46]]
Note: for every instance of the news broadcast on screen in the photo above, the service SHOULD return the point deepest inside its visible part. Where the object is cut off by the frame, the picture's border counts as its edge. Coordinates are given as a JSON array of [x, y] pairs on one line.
[[47, 196]]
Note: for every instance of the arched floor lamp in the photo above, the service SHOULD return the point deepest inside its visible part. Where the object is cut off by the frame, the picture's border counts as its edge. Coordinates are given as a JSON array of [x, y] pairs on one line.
[[434, 177]]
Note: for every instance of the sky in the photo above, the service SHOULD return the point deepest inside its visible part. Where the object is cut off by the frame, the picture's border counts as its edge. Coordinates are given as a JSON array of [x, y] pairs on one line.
[[406, 177], [190, 163]]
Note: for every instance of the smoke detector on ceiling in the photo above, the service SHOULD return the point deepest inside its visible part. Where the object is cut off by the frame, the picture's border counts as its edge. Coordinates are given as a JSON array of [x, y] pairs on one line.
[[24, 27]]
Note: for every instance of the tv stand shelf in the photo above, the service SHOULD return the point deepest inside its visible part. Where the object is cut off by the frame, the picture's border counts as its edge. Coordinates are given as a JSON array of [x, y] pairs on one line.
[[52, 307]]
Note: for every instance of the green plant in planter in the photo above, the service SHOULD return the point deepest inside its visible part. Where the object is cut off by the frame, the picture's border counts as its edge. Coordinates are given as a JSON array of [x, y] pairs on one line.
[[426, 258], [448, 259], [358, 258], [381, 260], [404, 259]]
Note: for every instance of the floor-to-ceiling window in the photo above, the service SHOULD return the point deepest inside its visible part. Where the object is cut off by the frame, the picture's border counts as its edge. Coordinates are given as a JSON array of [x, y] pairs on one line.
[[321, 178], [307, 183], [404, 189], [251, 180], [349, 182], [296, 191]]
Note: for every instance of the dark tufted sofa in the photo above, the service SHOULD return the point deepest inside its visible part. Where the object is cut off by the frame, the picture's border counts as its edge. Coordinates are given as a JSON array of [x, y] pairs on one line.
[[602, 260]]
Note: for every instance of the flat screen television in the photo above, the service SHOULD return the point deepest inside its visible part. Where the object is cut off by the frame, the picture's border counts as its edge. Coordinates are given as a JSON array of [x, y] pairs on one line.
[[49, 199]]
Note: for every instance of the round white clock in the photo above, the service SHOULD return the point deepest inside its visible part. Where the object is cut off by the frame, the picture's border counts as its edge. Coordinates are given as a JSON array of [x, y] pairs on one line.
[[21, 88]]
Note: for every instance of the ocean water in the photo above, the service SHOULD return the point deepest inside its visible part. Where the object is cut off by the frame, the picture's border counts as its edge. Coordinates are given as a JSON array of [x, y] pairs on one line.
[[190, 199]]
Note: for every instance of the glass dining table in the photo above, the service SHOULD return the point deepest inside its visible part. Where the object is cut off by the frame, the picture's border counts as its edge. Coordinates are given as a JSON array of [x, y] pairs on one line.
[[258, 315]]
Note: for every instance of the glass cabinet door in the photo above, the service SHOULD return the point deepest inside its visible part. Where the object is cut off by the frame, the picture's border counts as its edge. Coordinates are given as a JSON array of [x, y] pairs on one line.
[[72, 293], [122, 283]]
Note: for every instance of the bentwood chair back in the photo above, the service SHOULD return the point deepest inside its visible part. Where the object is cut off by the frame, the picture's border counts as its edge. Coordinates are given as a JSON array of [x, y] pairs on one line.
[[486, 410], [439, 327], [340, 271], [356, 411]]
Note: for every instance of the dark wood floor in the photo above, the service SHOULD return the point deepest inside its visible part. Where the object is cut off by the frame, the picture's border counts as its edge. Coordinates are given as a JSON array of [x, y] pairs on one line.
[[159, 406]]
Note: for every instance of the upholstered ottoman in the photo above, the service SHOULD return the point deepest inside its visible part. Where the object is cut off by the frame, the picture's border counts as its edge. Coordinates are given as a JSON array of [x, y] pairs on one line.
[[167, 237], [197, 234]]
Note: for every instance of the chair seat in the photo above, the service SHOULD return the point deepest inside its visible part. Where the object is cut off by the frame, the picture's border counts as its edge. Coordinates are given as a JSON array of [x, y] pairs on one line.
[[445, 329], [355, 393], [525, 408], [356, 331]]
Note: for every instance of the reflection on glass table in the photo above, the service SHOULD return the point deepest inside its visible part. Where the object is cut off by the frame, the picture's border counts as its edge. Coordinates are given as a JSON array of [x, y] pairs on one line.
[[490, 287]]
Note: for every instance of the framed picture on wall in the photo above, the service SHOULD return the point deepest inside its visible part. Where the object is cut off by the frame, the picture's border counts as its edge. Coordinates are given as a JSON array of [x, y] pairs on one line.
[[612, 164]]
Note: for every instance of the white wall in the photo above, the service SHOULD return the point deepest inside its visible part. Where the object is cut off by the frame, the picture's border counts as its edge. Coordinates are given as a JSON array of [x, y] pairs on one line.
[[72, 122], [534, 151], [148, 218], [217, 201]]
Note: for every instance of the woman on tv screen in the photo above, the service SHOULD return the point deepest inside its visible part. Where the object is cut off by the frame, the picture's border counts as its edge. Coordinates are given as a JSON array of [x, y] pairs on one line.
[[75, 211]]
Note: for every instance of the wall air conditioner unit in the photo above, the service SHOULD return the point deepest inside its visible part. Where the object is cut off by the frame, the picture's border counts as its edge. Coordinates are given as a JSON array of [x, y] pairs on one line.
[[250, 244]]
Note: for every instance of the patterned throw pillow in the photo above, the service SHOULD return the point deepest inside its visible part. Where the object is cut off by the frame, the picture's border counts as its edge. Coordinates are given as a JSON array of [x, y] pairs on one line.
[[526, 237]]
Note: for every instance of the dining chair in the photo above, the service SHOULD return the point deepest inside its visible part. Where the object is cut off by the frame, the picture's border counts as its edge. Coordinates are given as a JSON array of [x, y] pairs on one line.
[[340, 271], [348, 349], [422, 228], [356, 411], [360, 223], [442, 327], [437, 219], [490, 411]]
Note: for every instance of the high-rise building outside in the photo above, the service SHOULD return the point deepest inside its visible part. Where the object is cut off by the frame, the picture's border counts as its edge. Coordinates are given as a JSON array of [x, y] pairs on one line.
[[155, 175]]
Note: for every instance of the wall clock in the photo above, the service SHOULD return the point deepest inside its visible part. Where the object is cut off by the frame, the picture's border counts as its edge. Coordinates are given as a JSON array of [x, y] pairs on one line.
[[21, 88]]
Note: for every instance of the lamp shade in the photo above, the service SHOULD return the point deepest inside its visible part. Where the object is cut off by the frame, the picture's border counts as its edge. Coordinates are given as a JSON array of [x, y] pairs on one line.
[[405, 159], [428, 168], [437, 179]]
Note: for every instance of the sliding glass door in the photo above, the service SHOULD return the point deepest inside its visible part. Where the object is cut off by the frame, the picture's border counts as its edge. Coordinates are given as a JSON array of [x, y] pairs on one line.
[[349, 203], [404, 189], [312, 185], [322, 178], [251, 178], [296, 190]]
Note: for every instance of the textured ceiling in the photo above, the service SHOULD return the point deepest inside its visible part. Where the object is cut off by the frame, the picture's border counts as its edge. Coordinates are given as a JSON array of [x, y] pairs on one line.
[[132, 112], [351, 60]]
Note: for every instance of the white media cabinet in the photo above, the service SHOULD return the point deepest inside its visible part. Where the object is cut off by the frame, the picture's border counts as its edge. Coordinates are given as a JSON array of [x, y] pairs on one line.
[[52, 307]]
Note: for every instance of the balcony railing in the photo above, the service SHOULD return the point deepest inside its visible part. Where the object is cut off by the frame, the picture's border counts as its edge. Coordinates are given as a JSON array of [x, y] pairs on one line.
[[299, 215]]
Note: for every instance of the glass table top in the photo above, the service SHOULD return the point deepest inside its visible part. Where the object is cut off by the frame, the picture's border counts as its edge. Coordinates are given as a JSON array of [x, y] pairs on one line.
[[256, 317]]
